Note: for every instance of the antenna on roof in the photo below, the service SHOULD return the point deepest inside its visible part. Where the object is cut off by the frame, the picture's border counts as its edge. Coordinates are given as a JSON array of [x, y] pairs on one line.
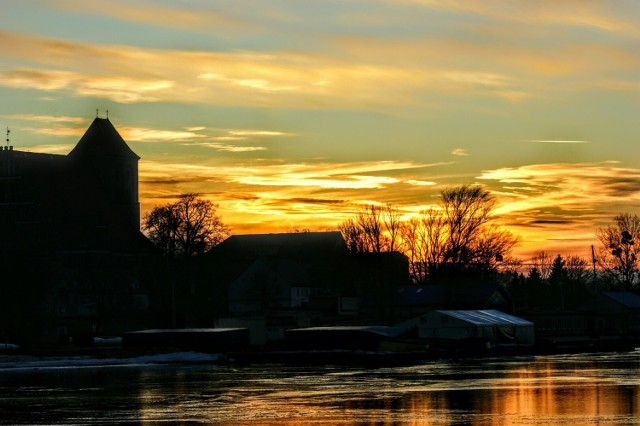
[[97, 113], [8, 132], [107, 114]]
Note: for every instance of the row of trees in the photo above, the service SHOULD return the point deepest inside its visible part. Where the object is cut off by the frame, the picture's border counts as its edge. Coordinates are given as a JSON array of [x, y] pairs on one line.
[[453, 240], [456, 237], [615, 261]]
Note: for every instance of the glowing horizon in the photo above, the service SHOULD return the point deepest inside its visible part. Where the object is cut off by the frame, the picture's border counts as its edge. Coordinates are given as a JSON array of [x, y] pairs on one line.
[[290, 115]]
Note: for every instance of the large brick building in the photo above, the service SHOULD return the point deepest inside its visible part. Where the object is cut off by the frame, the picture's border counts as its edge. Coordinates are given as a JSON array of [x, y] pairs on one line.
[[71, 250]]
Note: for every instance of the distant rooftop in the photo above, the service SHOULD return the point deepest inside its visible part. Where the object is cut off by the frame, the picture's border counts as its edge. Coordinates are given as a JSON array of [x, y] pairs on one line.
[[102, 139], [626, 298], [296, 244]]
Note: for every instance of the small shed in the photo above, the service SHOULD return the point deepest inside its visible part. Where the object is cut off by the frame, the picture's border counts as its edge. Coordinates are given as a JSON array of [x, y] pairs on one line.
[[491, 326], [341, 337]]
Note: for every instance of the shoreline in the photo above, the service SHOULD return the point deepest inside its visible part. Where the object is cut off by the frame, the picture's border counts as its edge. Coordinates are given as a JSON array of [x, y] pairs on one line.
[[122, 356]]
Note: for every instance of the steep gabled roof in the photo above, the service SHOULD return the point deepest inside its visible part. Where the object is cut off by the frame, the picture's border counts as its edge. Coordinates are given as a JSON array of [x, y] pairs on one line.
[[103, 140], [294, 245]]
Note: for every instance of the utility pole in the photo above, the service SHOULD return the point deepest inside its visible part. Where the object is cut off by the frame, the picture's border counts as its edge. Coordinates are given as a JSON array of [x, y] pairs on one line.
[[593, 260]]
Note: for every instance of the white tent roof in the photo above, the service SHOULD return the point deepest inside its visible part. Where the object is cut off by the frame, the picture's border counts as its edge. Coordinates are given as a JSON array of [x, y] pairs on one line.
[[487, 317]]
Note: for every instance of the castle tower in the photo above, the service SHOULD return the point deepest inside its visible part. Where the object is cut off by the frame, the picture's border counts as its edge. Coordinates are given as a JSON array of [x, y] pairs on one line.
[[104, 157]]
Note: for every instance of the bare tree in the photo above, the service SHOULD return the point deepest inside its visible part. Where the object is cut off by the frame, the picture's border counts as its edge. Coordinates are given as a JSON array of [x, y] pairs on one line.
[[472, 239], [369, 219], [618, 253], [577, 269], [458, 235], [369, 230], [410, 233], [491, 245], [433, 236], [352, 235], [424, 240], [392, 226], [187, 227], [542, 261]]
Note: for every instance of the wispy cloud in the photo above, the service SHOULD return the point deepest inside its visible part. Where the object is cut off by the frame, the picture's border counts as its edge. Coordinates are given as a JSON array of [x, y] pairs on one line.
[[460, 152], [140, 134], [575, 187], [155, 13], [257, 133], [278, 79], [253, 83], [64, 126], [60, 131], [260, 193], [46, 118], [558, 141], [231, 148], [226, 140], [61, 149], [590, 14], [326, 176], [116, 88], [420, 182], [131, 134]]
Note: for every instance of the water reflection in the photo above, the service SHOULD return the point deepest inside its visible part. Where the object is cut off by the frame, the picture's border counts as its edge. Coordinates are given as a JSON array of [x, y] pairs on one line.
[[570, 390]]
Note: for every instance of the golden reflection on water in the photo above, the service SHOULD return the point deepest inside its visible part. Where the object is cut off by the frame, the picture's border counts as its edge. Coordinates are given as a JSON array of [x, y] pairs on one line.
[[549, 394], [527, 393]]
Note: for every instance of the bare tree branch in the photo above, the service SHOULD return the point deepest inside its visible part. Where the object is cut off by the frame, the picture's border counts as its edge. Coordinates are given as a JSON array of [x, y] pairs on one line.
[[187, 227]]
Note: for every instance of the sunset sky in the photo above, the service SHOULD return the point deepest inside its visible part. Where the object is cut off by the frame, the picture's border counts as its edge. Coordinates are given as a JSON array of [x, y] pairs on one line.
[[291, 113]]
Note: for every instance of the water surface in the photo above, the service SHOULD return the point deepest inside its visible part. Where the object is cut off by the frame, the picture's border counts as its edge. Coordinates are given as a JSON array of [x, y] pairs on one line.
[[582, 389]]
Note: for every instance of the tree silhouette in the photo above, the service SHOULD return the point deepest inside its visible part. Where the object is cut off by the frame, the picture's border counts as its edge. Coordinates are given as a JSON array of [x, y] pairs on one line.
[[619, 254], [374, 229], [425, 242], [473, 242], [456, 236], [187, 227], [543, 263]]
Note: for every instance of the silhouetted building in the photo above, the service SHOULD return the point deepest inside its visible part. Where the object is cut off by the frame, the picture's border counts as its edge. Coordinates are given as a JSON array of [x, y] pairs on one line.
[[71, 250], [418, 299], [86, 200], [273, 282]]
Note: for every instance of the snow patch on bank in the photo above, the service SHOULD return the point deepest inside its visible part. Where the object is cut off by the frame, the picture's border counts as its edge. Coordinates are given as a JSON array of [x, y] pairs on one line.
[[32, 363]]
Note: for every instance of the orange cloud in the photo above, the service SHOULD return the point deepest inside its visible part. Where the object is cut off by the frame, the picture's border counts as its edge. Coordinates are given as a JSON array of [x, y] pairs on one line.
[[550, 204]]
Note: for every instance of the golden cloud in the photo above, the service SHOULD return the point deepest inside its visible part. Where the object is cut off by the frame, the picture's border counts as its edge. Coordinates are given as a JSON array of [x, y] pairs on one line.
[[573, 187], [62, 149], [591, 14], [460, 152], [140, 134], [154, 13], [117, 89], [230, 148], [46, 118], [240, 78]]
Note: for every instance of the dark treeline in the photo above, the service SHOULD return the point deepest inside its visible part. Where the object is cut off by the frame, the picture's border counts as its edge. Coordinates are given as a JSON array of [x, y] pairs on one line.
[[457, 242]]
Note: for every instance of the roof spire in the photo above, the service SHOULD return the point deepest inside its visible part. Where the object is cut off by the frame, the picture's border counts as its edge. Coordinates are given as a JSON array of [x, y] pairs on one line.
[[107, 114], [97, 113]]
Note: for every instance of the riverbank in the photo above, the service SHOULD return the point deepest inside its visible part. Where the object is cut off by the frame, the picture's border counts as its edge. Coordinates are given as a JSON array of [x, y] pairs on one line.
[[118, 355]]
